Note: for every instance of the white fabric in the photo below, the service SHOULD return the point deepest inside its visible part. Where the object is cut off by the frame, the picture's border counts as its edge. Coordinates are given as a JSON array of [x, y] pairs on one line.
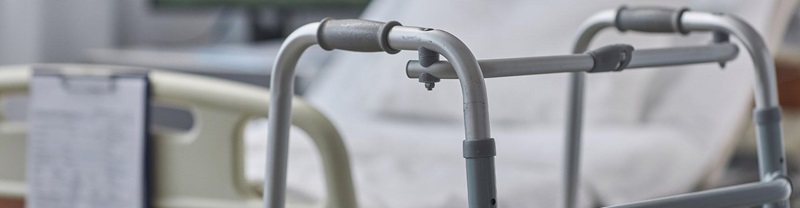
[[649, 133], [396, 170]]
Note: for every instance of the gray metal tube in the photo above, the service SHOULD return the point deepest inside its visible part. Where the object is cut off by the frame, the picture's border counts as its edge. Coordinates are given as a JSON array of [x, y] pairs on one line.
[[575, 108], [481, 186], [766, 87], [281, 92], [509, 67], [771, 160], [581, 62], [572, 145], [745, 195]]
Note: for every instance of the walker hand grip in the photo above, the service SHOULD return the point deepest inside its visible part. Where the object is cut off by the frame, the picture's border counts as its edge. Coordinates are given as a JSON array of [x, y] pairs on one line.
[[355, 35], [650, 19]]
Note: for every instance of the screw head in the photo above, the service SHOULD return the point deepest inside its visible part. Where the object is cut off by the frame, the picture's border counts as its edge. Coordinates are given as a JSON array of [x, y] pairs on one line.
[[430, 85]]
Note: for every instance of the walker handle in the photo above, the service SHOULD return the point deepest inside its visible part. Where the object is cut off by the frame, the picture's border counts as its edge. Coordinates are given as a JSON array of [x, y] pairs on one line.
[[650, 19], [355, 35]]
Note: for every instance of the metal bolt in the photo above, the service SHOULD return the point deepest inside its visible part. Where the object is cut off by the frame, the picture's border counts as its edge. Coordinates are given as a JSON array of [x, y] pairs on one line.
[[429, 80], [430, 85]]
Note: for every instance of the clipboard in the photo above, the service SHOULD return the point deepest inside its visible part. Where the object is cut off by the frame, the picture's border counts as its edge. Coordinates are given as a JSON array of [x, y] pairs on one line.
[[88, 139]]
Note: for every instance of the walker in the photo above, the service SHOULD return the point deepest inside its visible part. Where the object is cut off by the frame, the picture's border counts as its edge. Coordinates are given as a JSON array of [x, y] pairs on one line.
[[479, 146], [774, 189]]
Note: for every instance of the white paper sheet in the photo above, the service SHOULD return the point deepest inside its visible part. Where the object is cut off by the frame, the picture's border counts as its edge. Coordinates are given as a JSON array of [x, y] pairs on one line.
[[86, 146]]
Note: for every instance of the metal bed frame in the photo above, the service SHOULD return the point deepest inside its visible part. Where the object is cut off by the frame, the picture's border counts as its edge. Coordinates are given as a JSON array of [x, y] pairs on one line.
[[479, 147]]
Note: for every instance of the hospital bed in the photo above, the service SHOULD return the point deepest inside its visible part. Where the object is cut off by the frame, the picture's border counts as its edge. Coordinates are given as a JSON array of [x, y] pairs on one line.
[[204, 166]]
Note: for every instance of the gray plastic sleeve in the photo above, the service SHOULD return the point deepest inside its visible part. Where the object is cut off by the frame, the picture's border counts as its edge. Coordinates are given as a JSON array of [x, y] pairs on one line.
[[355, 35], [650, 19], [477, 148], [767, 116]]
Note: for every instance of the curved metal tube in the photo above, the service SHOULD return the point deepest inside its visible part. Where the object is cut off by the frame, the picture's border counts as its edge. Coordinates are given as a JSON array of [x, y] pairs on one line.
[[480, 170], [476, 113], [481, 186], [766, 93], [771, 156], [591, 27], [574, 124], [282, 88]]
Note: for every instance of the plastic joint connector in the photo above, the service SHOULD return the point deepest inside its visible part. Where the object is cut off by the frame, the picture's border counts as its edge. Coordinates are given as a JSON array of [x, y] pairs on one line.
[[721, 37], [427, 57], [767, 115], [611, 58]]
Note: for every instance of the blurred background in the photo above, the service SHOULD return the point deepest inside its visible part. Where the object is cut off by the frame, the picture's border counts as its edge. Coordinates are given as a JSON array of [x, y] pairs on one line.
[[238, 40], [226, 37]]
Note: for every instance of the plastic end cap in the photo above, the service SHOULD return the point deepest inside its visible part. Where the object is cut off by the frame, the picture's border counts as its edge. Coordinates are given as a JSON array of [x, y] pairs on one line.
[[617, 18], [320, 30], [678, 21], [384, 37]]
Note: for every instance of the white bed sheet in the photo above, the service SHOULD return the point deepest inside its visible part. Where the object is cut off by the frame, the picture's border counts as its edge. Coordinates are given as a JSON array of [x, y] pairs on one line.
[[399, 166]]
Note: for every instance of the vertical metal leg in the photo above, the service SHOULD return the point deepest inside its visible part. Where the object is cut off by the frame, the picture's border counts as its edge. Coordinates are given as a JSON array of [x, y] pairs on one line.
[[771, 160], [481, 182], [572, 150], [280, 112], [481, 189]]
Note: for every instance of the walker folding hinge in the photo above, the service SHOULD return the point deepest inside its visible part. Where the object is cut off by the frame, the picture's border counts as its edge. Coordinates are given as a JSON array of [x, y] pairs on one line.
[[426, 58], [721, 37], [611, 58]]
